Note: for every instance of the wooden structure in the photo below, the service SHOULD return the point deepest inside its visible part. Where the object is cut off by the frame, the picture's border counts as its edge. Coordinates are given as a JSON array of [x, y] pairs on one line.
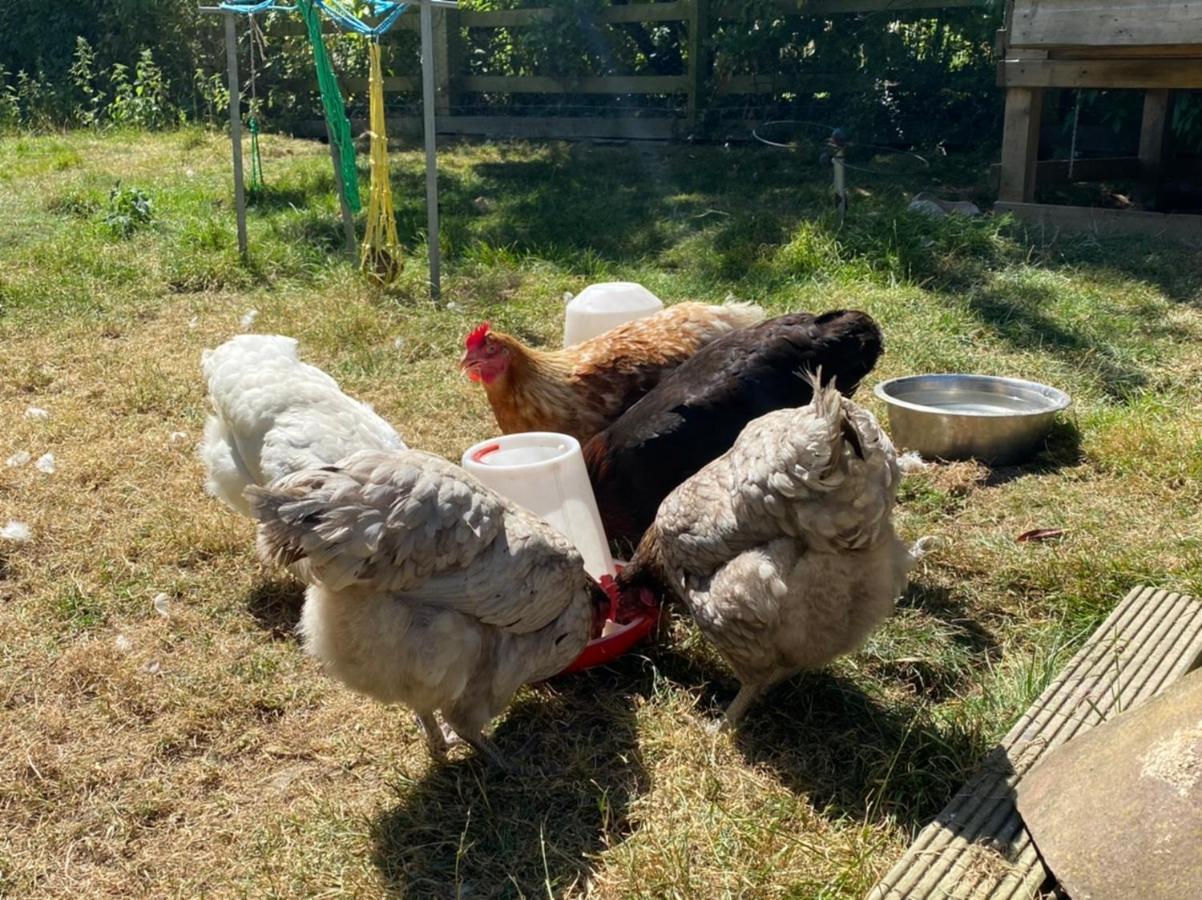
[[1149, 45], [454, 86], [977, 847]]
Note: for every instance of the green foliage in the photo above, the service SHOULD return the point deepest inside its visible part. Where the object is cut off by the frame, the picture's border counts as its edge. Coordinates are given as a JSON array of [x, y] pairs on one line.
[[128, 209], [142, 102], [83, 80]]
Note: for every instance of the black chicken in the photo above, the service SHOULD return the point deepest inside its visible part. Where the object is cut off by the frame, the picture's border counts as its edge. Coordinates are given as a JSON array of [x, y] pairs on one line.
[[694, 415]]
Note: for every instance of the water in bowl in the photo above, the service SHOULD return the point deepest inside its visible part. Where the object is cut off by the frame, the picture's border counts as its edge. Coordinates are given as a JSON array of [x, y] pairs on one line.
[[969, 401]]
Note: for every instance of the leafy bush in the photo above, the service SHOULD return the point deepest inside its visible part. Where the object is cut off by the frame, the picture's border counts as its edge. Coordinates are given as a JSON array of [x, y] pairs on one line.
[[128, 209], [143, 102]]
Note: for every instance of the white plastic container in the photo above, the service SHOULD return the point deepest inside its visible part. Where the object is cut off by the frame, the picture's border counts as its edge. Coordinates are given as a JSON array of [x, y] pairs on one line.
[[600, 307], [544, 472]]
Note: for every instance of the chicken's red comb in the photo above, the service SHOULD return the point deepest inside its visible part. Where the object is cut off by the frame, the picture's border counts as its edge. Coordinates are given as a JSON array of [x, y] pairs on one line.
[[475, 340]]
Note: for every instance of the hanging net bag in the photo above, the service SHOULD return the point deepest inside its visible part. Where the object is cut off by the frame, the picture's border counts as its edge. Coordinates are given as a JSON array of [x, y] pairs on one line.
[[382, 259], [331, 100]]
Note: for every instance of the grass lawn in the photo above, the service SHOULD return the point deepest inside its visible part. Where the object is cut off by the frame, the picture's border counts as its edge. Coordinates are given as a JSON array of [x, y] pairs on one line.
[[202, 753]]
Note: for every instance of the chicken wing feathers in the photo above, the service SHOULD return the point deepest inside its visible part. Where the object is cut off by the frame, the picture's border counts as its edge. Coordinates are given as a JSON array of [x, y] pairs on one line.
[[412, 524]]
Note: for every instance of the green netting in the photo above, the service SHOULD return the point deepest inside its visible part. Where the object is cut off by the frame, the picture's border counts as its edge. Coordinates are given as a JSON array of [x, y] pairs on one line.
[[331, 100]]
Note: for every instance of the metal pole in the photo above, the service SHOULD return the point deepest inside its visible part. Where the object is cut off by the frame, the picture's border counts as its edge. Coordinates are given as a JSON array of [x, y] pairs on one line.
[[837, 162], [231, 60], [427, 26]]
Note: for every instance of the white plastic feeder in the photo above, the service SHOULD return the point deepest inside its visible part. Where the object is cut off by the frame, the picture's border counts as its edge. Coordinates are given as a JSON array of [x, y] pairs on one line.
[[600, 307], [544, 472]]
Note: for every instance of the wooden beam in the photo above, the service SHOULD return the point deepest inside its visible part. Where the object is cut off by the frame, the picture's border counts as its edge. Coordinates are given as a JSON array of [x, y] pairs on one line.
[[1020, 144], [1152, 131], [1187, 228], [1088, 23], [603, 84], [1102, 73], [699, 29], [392, 84], [729, 9], [631, 12], [659, 128]]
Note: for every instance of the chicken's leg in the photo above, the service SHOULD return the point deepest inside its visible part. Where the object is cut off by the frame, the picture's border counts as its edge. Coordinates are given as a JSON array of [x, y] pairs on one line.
[[748, 694], [436, 738]]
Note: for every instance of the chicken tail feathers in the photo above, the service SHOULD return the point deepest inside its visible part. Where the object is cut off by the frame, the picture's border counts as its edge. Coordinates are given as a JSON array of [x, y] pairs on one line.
[[279, 540]]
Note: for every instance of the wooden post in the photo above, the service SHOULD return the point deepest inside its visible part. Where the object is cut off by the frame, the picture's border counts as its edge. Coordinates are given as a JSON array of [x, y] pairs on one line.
[[699, 28], [446, 58], [1020, 144], [231, 63], [1151, 143], [428, 113]]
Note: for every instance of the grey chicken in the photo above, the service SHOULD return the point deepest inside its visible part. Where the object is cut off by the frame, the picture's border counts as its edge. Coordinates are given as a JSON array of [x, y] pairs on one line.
[[426, 587], [783, 548]]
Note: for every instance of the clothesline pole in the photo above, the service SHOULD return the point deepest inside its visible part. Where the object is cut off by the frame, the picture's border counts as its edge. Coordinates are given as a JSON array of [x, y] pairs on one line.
[[432, 242], [235, 92]]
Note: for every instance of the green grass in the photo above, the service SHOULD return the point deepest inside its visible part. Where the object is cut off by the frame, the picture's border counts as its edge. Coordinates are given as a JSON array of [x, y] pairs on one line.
[[211, 757]]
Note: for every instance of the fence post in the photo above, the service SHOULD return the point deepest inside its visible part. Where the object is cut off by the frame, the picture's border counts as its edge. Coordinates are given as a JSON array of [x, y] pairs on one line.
[[699, 26], [446, 57]]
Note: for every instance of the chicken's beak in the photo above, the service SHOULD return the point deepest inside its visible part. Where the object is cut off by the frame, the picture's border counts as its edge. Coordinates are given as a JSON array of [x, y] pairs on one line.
[[470, 367]]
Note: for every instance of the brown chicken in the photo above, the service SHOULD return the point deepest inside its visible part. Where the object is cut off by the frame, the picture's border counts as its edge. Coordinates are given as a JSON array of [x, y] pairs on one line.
[[581, 389]]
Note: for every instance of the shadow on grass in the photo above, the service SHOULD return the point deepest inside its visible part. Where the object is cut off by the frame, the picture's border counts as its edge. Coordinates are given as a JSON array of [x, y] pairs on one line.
[[943, 604], [276, 606], [851, 756], [468, 829], [1017, 319], [1062, 450]]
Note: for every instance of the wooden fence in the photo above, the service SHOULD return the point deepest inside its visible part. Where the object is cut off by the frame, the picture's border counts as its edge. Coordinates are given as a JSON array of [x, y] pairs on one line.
[[454, 85]]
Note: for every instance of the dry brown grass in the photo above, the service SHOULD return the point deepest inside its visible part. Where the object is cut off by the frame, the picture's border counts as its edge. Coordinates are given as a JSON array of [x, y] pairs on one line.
[[211, 757]]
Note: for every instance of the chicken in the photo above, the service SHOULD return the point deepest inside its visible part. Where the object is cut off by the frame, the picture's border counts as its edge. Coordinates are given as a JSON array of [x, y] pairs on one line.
[[581, 389], [783, 548], [697, 411], [427, 588], [273, 415]]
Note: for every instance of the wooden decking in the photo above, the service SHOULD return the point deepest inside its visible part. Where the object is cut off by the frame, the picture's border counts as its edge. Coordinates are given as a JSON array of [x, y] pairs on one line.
[[977, 846]]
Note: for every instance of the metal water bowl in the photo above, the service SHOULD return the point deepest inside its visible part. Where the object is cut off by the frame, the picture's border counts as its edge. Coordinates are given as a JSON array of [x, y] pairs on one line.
[[1001, 421]]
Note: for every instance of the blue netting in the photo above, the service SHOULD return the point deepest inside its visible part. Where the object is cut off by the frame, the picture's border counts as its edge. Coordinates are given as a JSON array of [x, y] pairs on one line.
[[384, 12]]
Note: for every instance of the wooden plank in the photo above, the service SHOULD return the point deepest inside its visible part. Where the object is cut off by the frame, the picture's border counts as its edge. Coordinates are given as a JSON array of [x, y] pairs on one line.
[[1090, 23], [1020, 144], [442, 73], [602, 84], [1152, 132], [392, 84], [631, 12], [699, 29], [1103, 73], [525, 127], [729, 9], [1178, 226], [977, 847]]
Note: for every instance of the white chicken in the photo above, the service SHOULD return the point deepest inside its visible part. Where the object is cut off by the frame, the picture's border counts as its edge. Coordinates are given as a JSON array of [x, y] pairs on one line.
[[273, 415], [426, 587], [783, 548]]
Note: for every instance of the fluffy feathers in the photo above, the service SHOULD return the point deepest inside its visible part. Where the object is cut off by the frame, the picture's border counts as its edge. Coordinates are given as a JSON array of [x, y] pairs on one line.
[[783, 548], [273, 414], [427, 588]]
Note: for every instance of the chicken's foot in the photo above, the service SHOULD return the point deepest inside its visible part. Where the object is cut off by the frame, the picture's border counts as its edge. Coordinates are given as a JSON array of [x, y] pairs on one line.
[[748, 694], [436, 736]]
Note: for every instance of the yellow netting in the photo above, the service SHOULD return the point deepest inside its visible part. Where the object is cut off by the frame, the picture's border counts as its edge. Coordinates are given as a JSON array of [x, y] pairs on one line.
[[381, 250]]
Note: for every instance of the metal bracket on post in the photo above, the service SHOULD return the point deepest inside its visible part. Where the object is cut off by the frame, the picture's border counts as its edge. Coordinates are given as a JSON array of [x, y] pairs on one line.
[[231, 60]]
